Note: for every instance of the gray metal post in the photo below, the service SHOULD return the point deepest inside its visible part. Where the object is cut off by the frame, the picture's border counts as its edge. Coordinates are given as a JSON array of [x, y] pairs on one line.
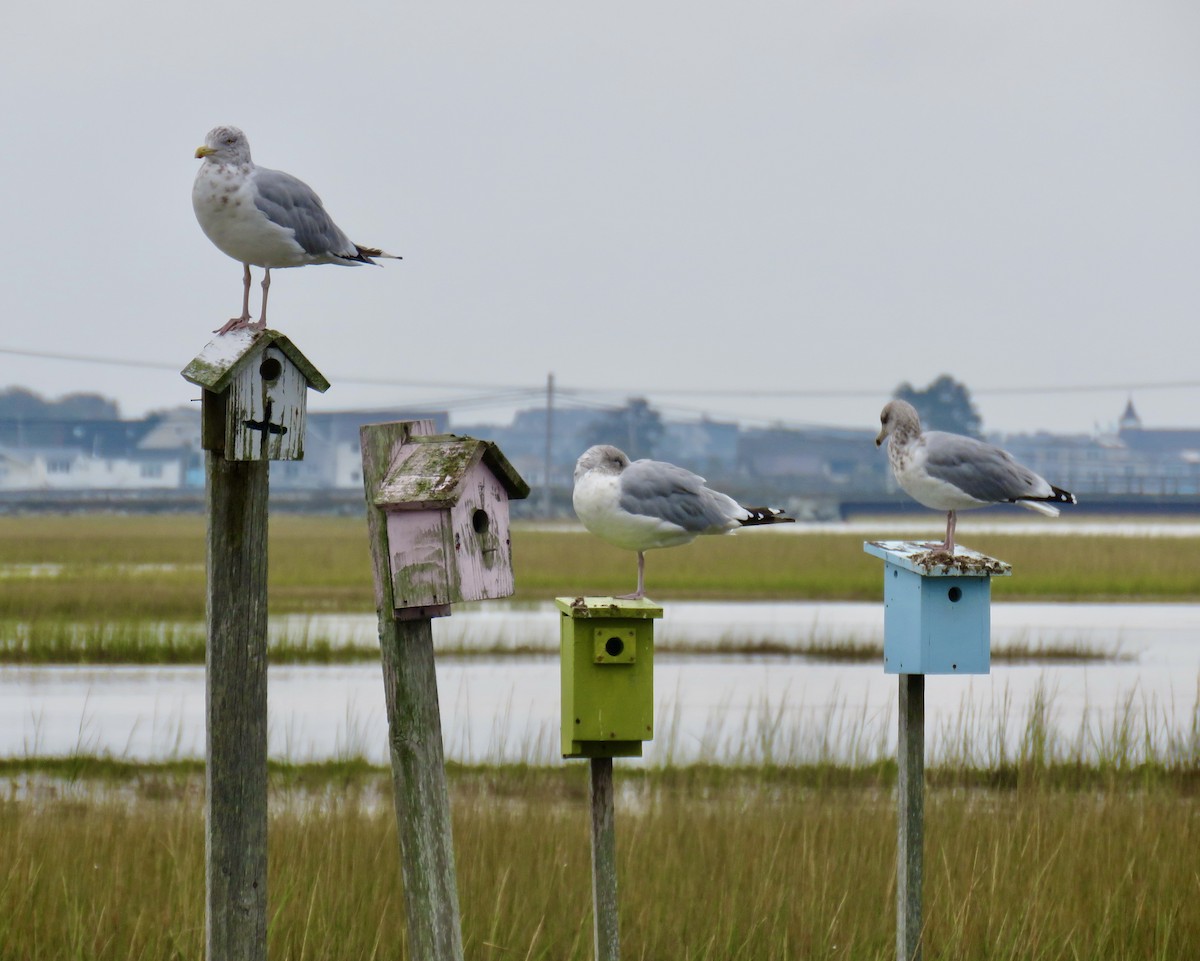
[[910, 750], [604, 861], [236, 711]]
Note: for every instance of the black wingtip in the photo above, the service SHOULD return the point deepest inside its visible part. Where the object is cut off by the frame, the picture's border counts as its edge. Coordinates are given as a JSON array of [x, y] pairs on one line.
[[766, 515], [1061, 496]]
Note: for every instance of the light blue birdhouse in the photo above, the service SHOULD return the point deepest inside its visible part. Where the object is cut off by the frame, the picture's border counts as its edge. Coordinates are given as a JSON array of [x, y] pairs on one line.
[[936, 608]]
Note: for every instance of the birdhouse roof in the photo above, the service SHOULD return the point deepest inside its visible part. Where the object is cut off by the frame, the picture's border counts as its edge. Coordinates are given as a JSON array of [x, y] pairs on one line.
[[431, 471], [221, 360], [920, 559]]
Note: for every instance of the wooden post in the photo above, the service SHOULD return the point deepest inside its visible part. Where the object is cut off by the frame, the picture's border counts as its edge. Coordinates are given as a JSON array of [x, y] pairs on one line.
[[253, 410], [604, 862], [236, 710], [415, 732], [910, 752]]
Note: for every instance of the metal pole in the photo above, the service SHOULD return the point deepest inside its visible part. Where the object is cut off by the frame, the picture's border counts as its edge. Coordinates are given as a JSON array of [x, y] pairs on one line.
[[910, 750], [547, 498], [604, 861]]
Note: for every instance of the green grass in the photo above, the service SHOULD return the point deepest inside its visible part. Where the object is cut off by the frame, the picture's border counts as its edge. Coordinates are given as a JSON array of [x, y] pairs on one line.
[[1062, 847], [713, 864], [105, 568], [111, 589], [149, 642]]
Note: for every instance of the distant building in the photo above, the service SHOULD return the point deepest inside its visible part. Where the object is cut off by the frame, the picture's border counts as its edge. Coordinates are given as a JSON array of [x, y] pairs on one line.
[[162, 451], [816, 472], [67, 468], [1164, 462], [704, 446]]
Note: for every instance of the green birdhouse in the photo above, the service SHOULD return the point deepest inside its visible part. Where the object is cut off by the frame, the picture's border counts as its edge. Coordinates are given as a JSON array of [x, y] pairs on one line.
[[607, 675]]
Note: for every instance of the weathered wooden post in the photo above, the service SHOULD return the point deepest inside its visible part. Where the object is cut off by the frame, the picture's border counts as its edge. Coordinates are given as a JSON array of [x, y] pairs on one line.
[[437, 519], [936, 620], [253, 411], [607, 663]]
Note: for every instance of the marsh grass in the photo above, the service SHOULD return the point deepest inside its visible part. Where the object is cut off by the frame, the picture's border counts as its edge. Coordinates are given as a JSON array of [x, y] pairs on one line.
[[1046, 844], [714, 864], [110, 568], [150, 642], [301, 640]]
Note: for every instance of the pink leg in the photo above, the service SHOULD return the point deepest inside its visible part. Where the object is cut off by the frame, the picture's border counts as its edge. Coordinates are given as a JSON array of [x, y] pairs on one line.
[[951, 523], [641, 588], [242, 321], [266, 286]]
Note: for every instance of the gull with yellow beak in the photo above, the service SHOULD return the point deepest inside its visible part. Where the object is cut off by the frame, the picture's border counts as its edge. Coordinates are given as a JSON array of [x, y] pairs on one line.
[[951, 472], [264, 218]]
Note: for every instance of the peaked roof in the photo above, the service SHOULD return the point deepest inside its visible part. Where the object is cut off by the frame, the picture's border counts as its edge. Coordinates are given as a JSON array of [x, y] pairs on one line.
[[1130, 418], [215, 366], [431, 471]]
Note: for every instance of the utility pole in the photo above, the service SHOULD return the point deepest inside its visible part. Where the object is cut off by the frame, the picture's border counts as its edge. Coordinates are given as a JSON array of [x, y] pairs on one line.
[[546, 494]]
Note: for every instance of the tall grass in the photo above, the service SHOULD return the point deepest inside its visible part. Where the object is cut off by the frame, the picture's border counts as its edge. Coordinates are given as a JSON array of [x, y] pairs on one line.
[[152, 568], [302, 641], [713, 865]]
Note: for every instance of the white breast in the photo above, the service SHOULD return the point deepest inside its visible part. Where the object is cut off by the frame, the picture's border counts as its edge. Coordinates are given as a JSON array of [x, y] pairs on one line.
[[596, 498], [224, 205]]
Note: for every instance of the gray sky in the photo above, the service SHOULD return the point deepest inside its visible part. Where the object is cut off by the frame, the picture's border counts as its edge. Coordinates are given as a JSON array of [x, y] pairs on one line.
[[803, 196]]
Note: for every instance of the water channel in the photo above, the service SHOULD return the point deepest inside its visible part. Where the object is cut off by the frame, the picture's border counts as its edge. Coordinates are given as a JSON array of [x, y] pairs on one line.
[[710, 706]]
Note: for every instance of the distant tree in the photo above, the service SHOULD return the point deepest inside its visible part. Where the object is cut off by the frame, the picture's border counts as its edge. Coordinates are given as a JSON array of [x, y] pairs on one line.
[[19, 403], [86, 407], [636, 428], [944, 405]]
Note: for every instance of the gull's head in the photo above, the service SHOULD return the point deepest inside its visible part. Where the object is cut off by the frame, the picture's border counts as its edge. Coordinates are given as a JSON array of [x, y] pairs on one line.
[[603, 458], [225, 145], [898, 417]]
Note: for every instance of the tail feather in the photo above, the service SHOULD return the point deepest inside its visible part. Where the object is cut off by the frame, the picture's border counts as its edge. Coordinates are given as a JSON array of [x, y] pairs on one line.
[[765, 515], [1045, 505], [366, 253], [1036, 505]]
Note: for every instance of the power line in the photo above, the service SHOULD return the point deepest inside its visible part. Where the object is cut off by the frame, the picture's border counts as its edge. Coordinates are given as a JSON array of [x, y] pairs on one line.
[[527, 390]]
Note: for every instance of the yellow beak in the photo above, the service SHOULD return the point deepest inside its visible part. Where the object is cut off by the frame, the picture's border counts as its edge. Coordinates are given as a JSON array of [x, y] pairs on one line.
[[202, 152]]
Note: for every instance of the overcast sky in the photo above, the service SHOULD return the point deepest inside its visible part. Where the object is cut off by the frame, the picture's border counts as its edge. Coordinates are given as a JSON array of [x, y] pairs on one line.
[[643, 198]]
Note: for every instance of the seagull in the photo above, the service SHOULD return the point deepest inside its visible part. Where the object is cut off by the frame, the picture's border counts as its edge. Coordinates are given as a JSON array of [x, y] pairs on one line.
[[264, 217], [643, 504], [950, 472]]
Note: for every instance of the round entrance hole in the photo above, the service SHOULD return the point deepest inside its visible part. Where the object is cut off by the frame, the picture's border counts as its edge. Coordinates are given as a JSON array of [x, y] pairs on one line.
[[270, 369], [480, 521], [614, 646], [955, 594]]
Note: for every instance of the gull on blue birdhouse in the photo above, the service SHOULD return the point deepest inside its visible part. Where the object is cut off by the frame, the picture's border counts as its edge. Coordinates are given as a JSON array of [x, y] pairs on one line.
[[255, 395], [937, 608], [446, 499]]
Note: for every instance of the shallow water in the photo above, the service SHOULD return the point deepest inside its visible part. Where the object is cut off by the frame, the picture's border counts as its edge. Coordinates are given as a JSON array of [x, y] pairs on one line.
[[709, 706]]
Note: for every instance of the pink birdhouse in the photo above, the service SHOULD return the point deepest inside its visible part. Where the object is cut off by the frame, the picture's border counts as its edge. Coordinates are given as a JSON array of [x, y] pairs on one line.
[[446, 499]]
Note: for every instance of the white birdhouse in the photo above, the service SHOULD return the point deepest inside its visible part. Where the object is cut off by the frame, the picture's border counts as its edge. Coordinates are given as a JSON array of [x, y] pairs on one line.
[[255, 395], [446, 500]]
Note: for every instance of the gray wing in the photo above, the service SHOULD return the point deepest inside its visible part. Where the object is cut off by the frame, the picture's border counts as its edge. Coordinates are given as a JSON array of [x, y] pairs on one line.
[[980, 470], [655, 489], [292, 203]]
